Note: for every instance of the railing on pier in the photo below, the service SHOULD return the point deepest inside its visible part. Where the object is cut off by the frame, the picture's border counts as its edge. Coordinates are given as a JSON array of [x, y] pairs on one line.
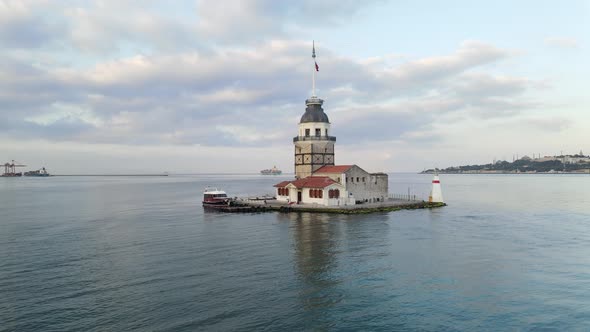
[[405, 197]]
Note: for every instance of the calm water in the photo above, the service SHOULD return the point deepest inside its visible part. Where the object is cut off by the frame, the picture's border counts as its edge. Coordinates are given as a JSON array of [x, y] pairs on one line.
[[119, 254]]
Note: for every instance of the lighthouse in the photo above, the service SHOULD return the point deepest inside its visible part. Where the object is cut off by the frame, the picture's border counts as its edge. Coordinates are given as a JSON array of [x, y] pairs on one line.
[[436, 193], [314, 147]]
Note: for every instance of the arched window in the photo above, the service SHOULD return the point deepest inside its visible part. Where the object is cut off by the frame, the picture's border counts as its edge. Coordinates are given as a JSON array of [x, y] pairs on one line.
[[336, 193], [321, 193], [333, 193]]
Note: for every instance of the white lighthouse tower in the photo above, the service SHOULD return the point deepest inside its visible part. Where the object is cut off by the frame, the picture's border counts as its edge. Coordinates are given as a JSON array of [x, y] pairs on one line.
[[436, 193]]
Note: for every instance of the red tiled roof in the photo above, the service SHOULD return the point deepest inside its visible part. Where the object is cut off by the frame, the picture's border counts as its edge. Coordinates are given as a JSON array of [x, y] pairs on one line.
[[282, 184], [334, 169], [309, 182], [313, 182]]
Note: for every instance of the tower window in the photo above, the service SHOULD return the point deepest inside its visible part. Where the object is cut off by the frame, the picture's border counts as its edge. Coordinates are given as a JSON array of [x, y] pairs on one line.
[[306, 132], [318, 132], [326, 131]]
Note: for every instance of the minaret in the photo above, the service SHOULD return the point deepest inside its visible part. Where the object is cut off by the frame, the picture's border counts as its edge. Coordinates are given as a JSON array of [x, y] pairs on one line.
[[314, 147]]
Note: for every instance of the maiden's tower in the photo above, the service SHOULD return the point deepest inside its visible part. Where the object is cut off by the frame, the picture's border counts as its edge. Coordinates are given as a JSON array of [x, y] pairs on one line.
[[318, 180]]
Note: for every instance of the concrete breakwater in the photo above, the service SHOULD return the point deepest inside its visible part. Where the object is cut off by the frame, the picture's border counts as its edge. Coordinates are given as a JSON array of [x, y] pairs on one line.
[[246, 206]]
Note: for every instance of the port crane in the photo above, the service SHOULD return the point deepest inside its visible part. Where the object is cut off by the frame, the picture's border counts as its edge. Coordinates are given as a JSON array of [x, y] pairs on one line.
[[10, 169]]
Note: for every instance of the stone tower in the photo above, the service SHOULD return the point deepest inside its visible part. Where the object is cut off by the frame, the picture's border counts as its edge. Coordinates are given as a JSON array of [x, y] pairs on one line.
[[314, 147]]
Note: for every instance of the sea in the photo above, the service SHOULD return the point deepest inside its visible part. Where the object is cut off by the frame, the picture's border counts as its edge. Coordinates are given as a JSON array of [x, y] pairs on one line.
[[115, 253]]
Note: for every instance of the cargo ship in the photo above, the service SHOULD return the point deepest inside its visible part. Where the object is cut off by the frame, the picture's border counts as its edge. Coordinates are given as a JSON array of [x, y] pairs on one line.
[[273, 171], [39, 172]]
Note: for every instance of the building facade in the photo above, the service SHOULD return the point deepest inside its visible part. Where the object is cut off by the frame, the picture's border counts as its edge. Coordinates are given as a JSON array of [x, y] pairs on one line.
[[360, 185]]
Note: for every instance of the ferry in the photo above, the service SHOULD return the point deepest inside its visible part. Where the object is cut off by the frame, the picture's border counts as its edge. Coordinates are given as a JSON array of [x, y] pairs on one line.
[[273, 171], [215, 197]]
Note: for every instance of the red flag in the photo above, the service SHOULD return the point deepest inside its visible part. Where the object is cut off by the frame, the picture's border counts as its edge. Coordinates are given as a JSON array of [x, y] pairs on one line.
[[317, 68]]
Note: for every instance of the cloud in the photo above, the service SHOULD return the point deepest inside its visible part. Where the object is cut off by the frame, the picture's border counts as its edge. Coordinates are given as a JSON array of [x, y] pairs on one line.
[[548, 124], [562, 42], [233, 95], [21, 26], [469, 55], [476, 85], [232, 75], [118, 26], [250, 21]]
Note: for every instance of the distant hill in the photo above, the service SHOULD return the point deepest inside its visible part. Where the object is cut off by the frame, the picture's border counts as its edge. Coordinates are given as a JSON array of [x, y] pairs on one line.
[[557, 164]]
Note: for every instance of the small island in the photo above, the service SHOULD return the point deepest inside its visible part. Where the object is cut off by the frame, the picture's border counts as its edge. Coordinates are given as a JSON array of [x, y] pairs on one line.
[[569, 164]]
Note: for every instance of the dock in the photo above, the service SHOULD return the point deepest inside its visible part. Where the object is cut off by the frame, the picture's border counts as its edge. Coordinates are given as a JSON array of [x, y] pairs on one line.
[[254, 206]]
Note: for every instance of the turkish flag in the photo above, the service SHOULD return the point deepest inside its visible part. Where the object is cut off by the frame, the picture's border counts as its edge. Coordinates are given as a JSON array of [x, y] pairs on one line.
[[317, 68]]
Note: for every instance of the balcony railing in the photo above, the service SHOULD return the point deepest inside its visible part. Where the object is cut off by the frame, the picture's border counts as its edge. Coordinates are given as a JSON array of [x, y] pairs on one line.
[[314, 138]]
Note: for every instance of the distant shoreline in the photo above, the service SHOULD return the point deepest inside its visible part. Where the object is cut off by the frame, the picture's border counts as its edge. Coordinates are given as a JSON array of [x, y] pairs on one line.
[[510, 173], [110, 175]]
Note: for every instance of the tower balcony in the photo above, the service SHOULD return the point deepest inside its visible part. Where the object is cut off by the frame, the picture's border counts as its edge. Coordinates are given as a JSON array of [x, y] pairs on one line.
[[314, 138]]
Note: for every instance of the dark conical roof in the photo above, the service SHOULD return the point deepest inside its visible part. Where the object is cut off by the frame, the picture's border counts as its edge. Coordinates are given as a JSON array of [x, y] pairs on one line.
[[314, 111]]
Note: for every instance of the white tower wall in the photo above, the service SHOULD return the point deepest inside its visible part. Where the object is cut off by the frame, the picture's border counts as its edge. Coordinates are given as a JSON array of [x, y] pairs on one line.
[[312, 126], [436, 193]]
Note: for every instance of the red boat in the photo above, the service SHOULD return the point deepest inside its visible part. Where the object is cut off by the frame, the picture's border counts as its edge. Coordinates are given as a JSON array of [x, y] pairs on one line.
[[214, 197]]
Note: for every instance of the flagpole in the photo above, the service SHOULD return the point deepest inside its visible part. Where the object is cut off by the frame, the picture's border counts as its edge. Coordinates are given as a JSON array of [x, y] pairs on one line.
[[313, 69]]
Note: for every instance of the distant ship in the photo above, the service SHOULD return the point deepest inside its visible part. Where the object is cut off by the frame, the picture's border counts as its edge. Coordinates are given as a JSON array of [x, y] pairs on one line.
[[273, 171], [40, 172]]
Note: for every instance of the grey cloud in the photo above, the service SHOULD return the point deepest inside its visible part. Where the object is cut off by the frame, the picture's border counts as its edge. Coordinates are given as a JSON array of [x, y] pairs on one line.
[[22, 27], [485, 85], [218, 98], [553, 124], [61, 130], [255, 20]]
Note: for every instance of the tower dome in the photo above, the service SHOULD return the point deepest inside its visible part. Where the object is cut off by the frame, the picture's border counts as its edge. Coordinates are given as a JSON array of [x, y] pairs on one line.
[[314, 111]]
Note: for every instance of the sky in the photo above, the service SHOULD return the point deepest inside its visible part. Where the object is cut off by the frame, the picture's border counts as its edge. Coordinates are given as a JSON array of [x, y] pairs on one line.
[[145, 86]]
